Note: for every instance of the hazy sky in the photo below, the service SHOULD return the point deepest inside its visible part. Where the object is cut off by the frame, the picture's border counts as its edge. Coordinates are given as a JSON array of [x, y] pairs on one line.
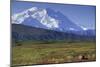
[[82, 15]]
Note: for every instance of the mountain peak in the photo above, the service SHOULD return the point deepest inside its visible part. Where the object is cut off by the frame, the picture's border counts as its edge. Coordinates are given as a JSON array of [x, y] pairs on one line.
[[45, 18], [38, 14]]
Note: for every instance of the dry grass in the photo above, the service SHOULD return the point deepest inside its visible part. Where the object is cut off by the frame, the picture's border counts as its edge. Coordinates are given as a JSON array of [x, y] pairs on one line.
[[41, 53]]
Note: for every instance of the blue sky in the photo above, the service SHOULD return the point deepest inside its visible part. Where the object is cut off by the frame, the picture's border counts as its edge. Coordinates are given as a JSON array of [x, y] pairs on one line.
[[81, 15]]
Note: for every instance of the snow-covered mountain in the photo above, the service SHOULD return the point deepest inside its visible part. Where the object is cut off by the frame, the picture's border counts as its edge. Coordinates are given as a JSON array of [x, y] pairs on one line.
[[47, 19], [36, 14]]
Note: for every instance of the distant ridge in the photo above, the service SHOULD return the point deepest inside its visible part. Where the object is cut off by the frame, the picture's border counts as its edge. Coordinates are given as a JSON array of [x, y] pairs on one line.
[[23, 32]]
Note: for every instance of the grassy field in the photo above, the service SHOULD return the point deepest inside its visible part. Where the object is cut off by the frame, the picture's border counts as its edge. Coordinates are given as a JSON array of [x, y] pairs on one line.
[[31, 52]]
